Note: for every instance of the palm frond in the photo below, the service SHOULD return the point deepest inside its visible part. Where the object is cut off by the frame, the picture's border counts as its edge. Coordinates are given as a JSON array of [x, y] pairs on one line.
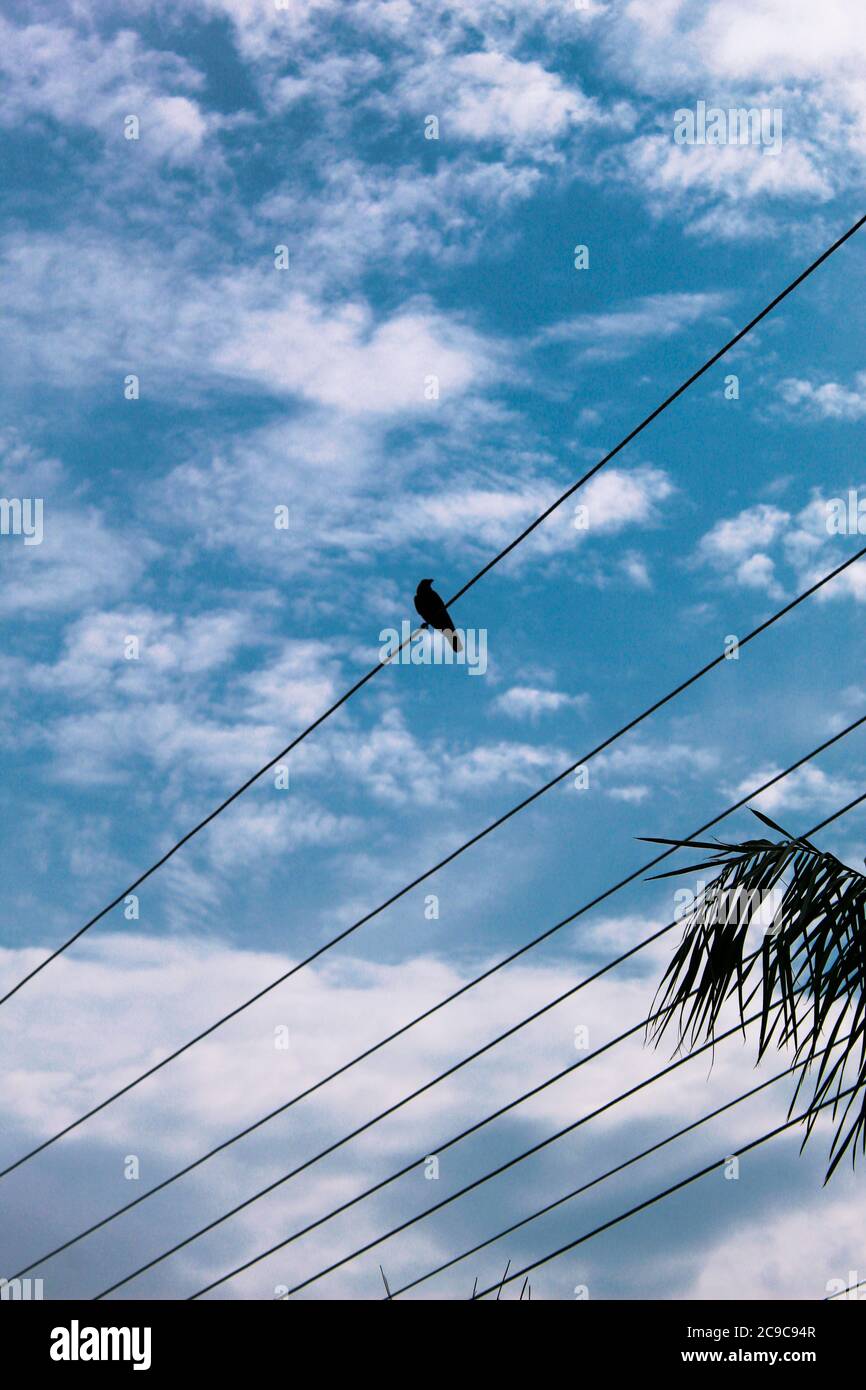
[[808, 966]]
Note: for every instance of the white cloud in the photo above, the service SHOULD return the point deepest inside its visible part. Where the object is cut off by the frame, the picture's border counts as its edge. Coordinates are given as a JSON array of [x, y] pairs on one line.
[[85, 80], [180, 704], [102, 744], [409, 214], [95, 656], [808, 788], [260, 832], [617, 333], [75, 314], [500, 98], [786, 54], [735, 538], [621, 497], [775, 40], [508, 764], [263, 31], [642, 756], [759, 572], [296, 687], [729, 222], [188, 711], [676, 175], [56, 1065], [529, 702], [634, 795], [635, 567], [345, 359], [738, 549], [488, 517], [80, 560], [792, 1255], [352, 493], [829, 400], [813, 552]]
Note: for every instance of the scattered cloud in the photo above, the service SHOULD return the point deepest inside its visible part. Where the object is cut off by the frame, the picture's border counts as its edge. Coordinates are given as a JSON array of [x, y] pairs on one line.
[[617, 333], [75, 316], [501, 99], [779, 55], [738, 550], [171, 987], [81, 557], [736, 547], [312, 389], [809, 788], [529, 702], [348, 361], [829, 400], [51, 73]]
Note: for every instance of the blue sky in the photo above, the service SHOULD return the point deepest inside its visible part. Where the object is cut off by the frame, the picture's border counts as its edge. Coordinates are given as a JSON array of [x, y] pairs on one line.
[[409, 258]]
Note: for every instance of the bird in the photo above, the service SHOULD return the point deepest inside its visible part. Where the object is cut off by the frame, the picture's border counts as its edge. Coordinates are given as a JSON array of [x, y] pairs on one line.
[[429, 604]]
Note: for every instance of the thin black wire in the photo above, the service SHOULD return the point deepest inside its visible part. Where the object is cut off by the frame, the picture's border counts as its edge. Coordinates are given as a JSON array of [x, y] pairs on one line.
[[441, 1148], [602, 1177], [461, 849], [374, 670], [659, 1196], [830, 1296], [486, 1177], [427, 1013], [323, 1153], [835, 816], [519, 1158], [664, 405], [428, 1085]]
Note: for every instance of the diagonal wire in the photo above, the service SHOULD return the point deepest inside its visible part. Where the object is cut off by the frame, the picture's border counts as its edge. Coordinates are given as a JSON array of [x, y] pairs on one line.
[[602, 1177], [841, 1293], [442, 1003], [374, 670], [449, 858], [660, 1196], [439, 1148], [485, 1177], [407, 1168], [519, 1158]]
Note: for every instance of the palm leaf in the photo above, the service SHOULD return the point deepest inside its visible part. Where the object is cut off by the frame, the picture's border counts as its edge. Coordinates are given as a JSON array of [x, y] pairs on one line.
[[809, 969]]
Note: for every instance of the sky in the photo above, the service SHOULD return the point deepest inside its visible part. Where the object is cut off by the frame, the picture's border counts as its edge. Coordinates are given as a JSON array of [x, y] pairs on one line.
[[319, 264]]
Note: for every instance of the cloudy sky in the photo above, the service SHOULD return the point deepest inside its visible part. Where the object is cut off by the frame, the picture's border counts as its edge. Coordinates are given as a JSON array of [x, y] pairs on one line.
[[321, 258]]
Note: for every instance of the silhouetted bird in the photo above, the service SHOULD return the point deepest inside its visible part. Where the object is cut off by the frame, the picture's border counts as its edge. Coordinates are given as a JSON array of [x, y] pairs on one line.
[[435, 614]]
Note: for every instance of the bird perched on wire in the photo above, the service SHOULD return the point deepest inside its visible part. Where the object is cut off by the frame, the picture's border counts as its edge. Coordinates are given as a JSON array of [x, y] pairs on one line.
[[435, 614]]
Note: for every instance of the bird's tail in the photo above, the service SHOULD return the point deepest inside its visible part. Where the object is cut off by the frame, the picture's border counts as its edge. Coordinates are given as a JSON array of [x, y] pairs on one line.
[[454, 638]]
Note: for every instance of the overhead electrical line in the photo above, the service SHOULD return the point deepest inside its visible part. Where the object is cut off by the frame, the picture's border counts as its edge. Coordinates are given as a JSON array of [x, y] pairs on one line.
[[439, 1148], [449, 858], [519, 1158], [374, 670], [602, 1177], [441, 1004], [658, 1196], [448, 999]]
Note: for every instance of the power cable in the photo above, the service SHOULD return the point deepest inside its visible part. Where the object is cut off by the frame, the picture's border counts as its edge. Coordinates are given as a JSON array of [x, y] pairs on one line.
[[455, 994], [374, 670], [461, 849]]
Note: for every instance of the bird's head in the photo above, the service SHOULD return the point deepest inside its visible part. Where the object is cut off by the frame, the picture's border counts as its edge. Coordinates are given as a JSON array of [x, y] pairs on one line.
[[425, 583]]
